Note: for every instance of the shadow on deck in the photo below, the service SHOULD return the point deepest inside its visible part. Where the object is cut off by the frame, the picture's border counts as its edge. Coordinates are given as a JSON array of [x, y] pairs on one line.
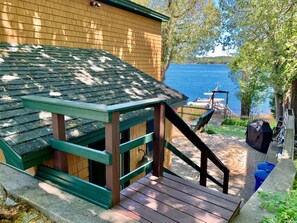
[[172, 199]]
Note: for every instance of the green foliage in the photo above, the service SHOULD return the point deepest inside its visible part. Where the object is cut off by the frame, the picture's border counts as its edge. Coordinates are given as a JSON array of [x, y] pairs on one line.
[[227, 130], [209, 60], [193, 28], [272, 104], [284, 205], [295, 180], [237, 122], [249, 77], [265, 34], [210, 131]]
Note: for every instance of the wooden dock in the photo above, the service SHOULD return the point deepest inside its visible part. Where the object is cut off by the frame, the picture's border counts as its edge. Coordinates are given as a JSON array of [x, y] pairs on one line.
[[172, 199]]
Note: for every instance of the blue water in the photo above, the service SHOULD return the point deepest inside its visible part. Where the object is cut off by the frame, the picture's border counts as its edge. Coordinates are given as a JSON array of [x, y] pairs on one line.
[[195, 79]]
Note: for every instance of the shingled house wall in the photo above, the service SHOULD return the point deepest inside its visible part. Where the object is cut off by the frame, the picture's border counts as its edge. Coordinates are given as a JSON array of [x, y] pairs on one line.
[[131, 37]]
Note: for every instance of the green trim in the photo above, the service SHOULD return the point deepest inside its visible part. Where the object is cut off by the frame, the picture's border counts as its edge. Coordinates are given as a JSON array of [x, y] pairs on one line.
[[178, 104], [89, 138], [38, 160], [134, 105], [183, 157], [136, 172], [83, 189], [69, 108], [92, 111], [36, 154], [7, 149], [24, 162], [136, 120], [170, 172], [127, 146], [91, 154], [178, 153], [100, 134], [11, 157], [137, 9]]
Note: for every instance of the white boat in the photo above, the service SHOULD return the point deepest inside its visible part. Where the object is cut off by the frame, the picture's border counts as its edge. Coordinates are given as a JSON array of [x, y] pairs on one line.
[[206, 102]]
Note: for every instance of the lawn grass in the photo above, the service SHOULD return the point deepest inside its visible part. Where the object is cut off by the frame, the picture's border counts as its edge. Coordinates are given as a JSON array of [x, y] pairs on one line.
[[227, 130]]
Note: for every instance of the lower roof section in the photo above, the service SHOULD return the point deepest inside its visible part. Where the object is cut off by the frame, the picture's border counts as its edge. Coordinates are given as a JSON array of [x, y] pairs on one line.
[[86, 75]]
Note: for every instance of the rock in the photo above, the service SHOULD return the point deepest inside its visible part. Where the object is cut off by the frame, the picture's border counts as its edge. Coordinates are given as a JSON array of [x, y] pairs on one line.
[[10, 202], [3, 195]]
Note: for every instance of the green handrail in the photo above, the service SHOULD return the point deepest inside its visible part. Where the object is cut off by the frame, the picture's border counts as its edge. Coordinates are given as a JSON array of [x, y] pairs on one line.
[[136, 172], [199, 144], [127, 146], [99, 112], [86, 152], [183, 157]]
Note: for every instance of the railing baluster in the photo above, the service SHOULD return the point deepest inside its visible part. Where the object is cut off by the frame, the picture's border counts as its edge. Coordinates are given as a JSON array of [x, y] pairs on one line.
[[203, 166], [159, 137], [112, 145], [60, 158], [226, 182]]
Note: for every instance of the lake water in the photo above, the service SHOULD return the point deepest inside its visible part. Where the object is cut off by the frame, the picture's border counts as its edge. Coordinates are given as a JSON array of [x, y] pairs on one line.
[[195, 79]]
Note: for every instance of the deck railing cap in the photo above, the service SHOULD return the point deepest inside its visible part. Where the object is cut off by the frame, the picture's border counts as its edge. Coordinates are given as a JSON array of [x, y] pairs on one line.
[[100, 112]]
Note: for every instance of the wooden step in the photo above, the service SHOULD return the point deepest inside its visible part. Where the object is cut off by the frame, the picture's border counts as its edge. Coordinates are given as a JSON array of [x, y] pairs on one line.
[[172, 199]]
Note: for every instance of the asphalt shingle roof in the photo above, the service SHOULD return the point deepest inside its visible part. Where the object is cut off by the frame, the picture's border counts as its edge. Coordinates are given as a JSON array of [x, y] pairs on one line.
[[87, 75]]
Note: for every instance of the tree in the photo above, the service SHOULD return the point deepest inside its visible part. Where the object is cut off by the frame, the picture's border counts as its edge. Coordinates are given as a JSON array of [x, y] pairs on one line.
[[249, 78], [270, 26], [193, 28]]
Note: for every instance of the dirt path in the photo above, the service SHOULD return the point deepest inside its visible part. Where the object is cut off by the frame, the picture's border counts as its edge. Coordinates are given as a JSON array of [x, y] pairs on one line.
[[233, 152]]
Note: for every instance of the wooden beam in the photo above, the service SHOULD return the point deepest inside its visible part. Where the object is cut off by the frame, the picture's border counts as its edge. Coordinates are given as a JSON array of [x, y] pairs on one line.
[[60, 158], [159, 137], [112, 145]]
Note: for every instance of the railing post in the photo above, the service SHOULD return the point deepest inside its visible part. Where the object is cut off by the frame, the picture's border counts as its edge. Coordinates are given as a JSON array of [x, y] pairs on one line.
[[226, 182], [112, 145], [159, 137], [203, 165], [59, 132]]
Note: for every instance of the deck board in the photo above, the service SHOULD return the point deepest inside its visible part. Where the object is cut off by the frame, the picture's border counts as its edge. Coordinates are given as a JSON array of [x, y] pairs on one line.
[[172, 199], [195, 192]]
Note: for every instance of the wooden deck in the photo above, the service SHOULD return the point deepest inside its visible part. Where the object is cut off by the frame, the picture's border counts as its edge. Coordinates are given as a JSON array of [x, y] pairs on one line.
[[172, 199]]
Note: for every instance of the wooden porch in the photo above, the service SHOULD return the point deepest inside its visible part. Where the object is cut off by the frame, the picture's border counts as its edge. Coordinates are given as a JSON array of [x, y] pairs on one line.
[[157, 197], [172, 199]]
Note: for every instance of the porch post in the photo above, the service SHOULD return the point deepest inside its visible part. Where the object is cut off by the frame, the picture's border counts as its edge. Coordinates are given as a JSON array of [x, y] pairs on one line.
[[112, 145], [60, 158], [159, 137]]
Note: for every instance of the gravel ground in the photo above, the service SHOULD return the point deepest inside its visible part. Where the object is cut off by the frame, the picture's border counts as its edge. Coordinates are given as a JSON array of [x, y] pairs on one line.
[[233, 152]]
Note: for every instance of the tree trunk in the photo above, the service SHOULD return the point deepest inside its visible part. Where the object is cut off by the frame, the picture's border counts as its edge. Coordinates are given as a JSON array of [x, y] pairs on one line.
[[278, 106], [245, 108], [163, 71], [294, 100]]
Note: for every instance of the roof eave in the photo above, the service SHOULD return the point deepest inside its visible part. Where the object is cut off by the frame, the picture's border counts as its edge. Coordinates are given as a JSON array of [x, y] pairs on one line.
[[136, 8]]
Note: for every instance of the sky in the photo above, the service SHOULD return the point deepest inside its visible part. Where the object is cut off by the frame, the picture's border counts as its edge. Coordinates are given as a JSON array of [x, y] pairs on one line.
[[219, 52]]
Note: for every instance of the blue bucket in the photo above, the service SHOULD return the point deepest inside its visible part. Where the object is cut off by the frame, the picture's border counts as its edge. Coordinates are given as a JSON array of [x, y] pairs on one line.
[[265, 166], [260, 176]]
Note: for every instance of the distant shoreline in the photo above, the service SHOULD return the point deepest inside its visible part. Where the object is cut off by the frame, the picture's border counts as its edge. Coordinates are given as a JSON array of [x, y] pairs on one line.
[[210, 60]]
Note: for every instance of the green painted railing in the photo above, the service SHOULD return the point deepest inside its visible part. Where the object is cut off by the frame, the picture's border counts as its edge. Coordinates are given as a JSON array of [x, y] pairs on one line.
[[99, 112], [106, 114], [81, 188], [206, 153], [188, 161], [91, 154], [136, 172], [127, 146]]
